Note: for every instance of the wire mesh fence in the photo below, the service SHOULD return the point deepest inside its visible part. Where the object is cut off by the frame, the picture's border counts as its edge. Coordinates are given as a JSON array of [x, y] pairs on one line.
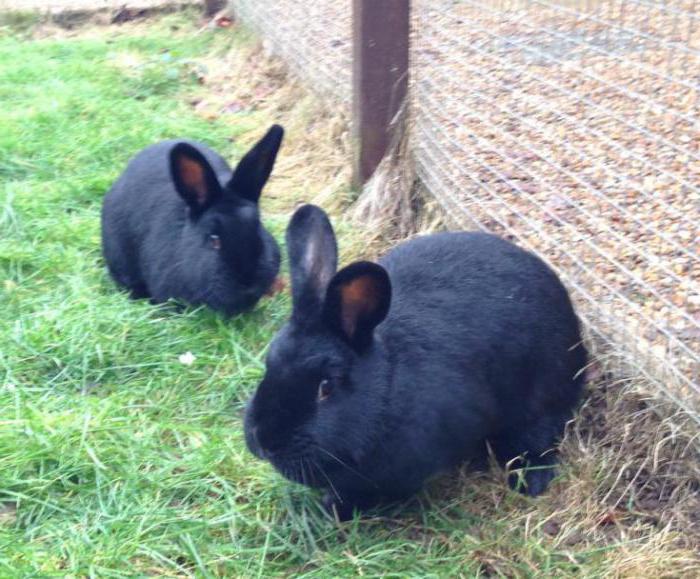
[[573, 128], [313, 37]]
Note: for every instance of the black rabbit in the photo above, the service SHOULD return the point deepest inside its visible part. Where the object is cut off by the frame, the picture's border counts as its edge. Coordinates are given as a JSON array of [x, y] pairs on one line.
[[180, 224], [387, 374]]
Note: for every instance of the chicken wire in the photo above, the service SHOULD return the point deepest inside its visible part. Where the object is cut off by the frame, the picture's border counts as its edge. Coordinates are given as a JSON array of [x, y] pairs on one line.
[[314, 37], [570, 126]]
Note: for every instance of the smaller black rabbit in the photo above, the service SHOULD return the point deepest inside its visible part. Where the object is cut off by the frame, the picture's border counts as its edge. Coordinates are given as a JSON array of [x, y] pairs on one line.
[[179, 223], [389, 373]]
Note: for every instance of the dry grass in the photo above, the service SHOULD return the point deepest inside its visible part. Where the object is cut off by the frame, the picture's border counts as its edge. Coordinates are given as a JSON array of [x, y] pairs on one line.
[[387, 201], [393, 205], [629, 494], [313, 165], [637, 475]]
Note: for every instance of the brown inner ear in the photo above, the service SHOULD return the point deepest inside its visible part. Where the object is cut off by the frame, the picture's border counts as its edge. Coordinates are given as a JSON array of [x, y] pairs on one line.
[[359, 298], [192, 175]]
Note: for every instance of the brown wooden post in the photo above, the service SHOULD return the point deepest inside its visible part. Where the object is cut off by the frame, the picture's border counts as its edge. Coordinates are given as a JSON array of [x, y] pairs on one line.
[[380, 77]]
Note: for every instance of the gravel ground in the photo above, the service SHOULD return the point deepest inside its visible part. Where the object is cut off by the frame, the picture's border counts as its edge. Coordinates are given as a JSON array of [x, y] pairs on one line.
[[579, 139]]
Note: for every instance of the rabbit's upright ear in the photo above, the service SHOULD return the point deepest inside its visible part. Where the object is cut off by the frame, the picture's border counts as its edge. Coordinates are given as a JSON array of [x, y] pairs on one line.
[[313, 259], [194, 178], [255, 167], [357, 300]]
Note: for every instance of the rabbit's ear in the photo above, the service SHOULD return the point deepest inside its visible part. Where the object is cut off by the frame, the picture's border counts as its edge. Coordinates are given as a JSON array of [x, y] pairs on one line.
[[357, 300], [255, 167], [194, 178], [313, 259]]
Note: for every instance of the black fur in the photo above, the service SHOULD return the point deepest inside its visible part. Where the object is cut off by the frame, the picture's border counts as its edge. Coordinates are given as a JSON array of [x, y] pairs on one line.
[[480, 343], [180, 224]]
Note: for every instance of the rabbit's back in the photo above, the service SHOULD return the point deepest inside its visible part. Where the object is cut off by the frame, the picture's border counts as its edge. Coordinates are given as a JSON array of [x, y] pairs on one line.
[[489, 284], [477, 319]]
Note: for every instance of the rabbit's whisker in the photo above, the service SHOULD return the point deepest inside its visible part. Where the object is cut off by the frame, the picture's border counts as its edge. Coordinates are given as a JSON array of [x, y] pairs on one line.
[[343, 464], [304, 479], [323, 472]]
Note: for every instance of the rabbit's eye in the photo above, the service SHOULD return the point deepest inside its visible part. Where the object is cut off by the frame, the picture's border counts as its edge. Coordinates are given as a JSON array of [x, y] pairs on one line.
[[215, 241], [324, 389]]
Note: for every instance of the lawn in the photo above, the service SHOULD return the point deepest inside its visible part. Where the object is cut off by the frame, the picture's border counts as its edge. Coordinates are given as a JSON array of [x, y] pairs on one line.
[[119, 458]]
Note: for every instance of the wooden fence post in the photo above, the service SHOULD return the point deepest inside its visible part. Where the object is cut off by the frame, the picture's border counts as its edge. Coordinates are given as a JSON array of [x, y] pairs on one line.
[[380, 77]]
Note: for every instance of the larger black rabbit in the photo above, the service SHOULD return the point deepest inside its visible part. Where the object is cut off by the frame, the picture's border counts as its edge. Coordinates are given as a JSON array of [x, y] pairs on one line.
[[179, 223], [389, 373]]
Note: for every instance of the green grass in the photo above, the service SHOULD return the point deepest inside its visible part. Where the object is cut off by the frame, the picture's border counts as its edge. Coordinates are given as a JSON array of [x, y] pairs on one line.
[[115, 458]]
